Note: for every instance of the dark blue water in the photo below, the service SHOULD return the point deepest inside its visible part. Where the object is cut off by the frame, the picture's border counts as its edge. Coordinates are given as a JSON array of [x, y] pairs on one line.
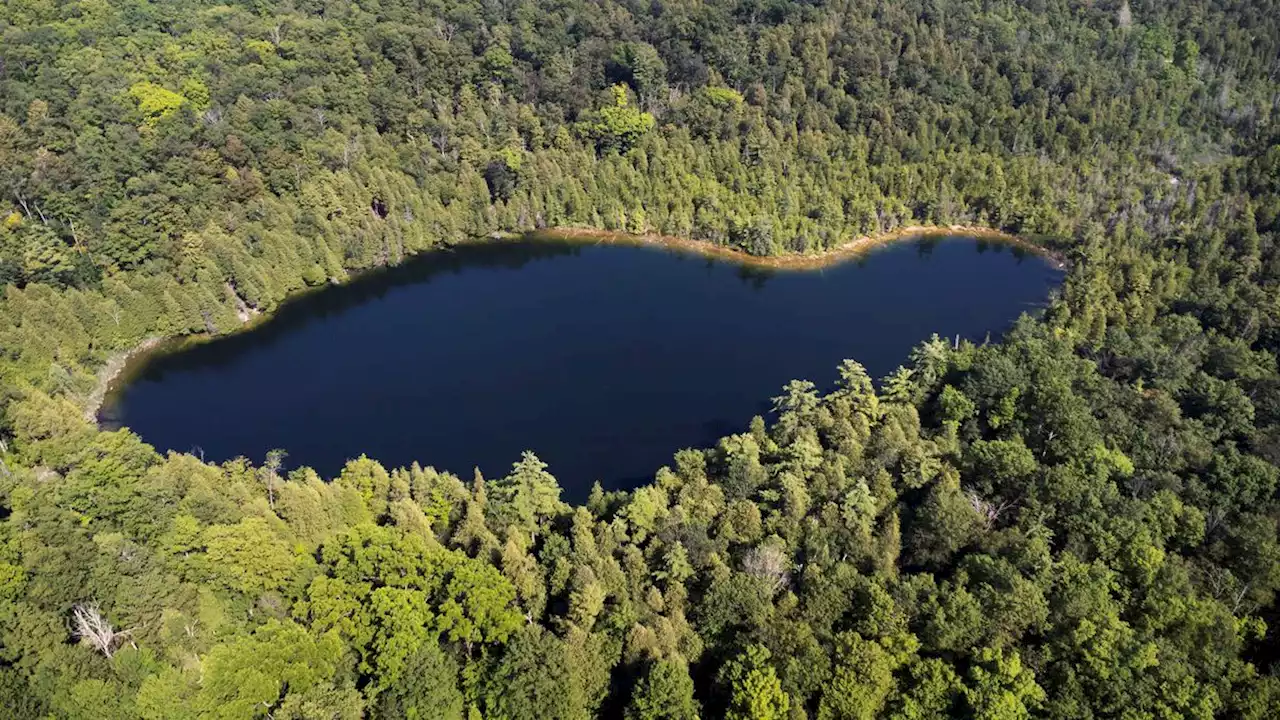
[[604, 360]]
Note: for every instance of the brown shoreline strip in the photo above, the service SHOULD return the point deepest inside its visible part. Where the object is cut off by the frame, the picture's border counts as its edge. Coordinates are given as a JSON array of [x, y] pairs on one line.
[[816, 261]]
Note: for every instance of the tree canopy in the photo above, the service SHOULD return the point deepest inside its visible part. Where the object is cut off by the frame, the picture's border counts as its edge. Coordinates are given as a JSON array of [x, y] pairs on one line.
[[1077, 521]]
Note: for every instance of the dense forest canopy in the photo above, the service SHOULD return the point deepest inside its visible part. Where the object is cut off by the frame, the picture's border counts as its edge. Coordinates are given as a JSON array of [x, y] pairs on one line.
[[1077, 522]]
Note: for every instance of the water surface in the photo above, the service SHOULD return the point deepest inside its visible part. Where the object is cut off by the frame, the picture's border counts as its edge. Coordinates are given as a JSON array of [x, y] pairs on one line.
[[604, 359]]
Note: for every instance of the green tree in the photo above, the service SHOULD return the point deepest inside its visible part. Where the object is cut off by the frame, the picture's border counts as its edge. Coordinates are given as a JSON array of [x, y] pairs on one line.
[[155, 103], [253, 676], [428, 688], [618, 126], [1001, 688], [862, 681], [531, 680], [478, 605], [665, 692], [753, 688], [931, 690], [248, 556], [528, 495], [944, 523], [640, 65]]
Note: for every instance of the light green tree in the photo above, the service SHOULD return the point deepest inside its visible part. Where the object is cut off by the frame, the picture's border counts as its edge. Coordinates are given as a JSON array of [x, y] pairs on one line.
[[755, 693], [617, 127], [1000, 687], [528, 495], [863, 679], [155, 102], [478, 605], [248, 556], [252, 676]]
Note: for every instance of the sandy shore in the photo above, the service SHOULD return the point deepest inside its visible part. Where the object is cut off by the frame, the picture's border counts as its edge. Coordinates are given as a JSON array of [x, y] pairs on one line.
[[813, 261], [111, 370]]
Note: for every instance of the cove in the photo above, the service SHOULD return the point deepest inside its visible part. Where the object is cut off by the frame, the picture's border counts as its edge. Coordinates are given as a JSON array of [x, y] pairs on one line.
[[603, 359]]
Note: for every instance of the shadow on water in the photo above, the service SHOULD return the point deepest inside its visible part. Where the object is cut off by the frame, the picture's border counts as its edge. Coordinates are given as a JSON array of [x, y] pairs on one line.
[[321, 303], [755, 277], [983, 246], [326, 302]]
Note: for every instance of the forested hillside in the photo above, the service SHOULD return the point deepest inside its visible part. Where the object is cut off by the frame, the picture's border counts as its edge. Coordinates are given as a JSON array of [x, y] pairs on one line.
[[1077, 522]]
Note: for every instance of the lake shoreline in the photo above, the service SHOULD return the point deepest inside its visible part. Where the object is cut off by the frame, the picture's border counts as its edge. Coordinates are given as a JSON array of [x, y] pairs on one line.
[[793, 261], [111, 370], [118, 365]]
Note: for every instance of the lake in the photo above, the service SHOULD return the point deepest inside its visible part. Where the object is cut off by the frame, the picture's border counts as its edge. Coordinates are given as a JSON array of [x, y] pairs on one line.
[[603, 359]]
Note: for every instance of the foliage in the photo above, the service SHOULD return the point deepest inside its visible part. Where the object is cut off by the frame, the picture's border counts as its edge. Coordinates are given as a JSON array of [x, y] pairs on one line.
[[1077, 521]]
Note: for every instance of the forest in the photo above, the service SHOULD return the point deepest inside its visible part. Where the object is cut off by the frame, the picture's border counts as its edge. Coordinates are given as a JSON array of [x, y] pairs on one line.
[[1077, 521]]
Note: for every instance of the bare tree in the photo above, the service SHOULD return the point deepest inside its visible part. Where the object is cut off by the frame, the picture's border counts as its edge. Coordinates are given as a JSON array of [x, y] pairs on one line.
[[1213, 518], [769, 563], [989, 512], [1124, 18], [440, 138], [1226, 587], [94, 630], [350, 151], [445, 30], [271, 473]]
